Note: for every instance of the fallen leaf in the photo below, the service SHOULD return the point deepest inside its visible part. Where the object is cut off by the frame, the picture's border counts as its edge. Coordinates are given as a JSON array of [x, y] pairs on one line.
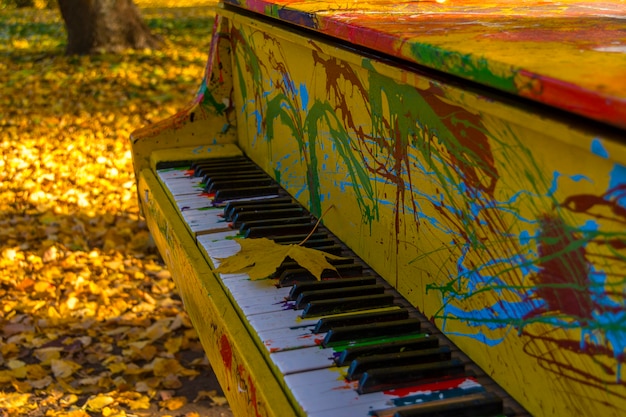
[[142, 403], [98, 402], [260, 258], [173, 403], [87, 303], [63, 368], [213, 396]]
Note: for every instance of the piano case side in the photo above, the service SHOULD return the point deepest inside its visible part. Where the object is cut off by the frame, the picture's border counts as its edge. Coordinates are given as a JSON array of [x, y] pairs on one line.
[[206, 128], [243, 373]]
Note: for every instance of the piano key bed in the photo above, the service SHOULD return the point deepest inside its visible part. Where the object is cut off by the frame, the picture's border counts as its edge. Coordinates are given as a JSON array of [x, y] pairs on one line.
[[348, 345]]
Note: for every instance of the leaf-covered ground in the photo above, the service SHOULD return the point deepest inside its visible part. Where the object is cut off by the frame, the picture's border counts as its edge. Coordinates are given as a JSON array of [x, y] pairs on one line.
[[90, 323]]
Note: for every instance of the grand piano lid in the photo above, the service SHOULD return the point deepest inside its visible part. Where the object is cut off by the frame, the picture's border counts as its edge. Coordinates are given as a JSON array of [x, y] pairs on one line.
[[570, 54]]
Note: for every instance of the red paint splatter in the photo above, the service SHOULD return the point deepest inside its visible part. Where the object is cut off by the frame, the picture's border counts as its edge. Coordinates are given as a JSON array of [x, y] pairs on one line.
[[347, 385], [434, 386], [253, 399], [226, 351]]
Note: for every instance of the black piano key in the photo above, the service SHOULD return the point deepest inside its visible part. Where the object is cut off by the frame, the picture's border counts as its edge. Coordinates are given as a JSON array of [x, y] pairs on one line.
[[292, 276], [371, 330], [419, 342], [234, 207], [309, 243], [208, 170], [383, 379], [482, 404], [328, 284], [344, 305], [318, 235], [220, 161], [327, 323], [239, 183], [257, 208], [245, 216], [210, 180], [252, 216], [308, 296], [331, 249], [363, 364], [231, 194], [272, 232], [290, 264], [174, 164], [281, 221]]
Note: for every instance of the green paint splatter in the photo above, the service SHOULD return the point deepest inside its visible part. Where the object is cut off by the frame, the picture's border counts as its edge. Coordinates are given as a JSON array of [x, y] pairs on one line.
[[463, 65]]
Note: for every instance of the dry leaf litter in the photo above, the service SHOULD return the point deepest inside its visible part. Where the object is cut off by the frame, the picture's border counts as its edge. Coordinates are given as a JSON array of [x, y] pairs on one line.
[[90, 323]]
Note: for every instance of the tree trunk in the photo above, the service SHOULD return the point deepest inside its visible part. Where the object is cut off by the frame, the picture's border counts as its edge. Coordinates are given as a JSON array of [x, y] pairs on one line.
[[96, 26]]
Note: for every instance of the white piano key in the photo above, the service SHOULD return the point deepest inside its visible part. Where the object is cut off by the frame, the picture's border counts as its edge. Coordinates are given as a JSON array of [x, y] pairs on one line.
[[287, 318], [340, 396], [200, 228], [271, 306], [217, 240], [183, 186], [264, 197], [194, 202], [290, 338], [210, 219], [257, 297], [302, 360], [173, 173], [200, 199], [204, 214]]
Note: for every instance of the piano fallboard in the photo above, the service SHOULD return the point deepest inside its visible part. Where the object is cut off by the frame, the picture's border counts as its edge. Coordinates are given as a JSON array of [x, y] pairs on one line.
[[499, 219]]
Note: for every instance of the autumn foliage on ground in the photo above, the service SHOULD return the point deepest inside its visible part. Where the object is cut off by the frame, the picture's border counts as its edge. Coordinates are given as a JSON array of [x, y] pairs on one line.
[[90, 323]]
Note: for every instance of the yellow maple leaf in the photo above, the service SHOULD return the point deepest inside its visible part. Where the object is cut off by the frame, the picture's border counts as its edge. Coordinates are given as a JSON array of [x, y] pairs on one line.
[[261, 257], [173, 403], [142, 403], [98, 402], [173, 344]]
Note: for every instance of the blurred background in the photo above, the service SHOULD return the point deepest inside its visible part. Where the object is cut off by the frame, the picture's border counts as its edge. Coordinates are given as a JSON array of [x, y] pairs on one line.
[[90, 321]]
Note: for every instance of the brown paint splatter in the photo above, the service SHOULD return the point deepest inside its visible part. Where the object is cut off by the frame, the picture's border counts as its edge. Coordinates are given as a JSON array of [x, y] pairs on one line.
[[585, 203], [563, 280], [473, 156]]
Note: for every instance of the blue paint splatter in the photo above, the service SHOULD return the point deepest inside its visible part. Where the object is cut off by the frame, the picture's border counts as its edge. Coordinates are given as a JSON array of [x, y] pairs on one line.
[[304, 96], [618, 178], [598, 148]]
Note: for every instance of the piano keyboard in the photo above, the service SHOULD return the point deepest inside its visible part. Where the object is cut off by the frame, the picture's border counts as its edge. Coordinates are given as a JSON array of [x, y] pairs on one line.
[[348, 345]]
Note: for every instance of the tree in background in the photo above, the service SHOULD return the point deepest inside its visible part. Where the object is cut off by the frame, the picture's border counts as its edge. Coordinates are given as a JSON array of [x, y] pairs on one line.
[[95, 26]]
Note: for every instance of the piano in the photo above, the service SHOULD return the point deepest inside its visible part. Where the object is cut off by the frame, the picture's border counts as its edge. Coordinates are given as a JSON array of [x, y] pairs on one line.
[[466, 159]]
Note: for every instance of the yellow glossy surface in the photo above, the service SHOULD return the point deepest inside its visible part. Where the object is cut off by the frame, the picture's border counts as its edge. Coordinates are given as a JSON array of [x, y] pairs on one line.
[[570, 54]]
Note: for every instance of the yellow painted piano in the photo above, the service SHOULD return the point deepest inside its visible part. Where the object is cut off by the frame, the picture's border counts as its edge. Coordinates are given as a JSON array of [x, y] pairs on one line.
[[467, 160]]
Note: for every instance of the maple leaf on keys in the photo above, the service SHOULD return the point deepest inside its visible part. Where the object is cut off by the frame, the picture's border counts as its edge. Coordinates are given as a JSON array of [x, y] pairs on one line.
[[261, 257]]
